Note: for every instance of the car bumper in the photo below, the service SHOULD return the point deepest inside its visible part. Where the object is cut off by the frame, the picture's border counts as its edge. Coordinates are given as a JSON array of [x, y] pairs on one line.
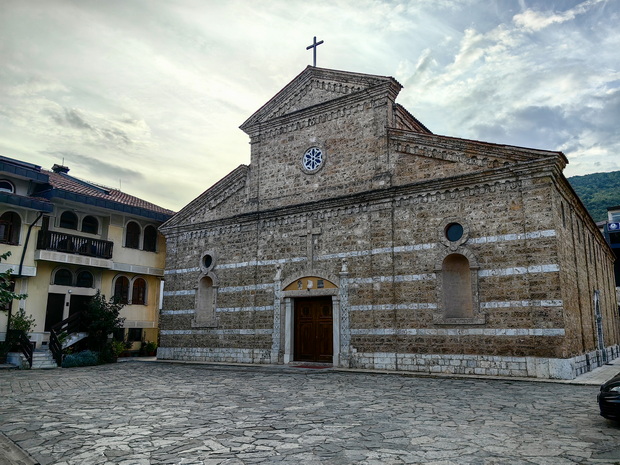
[[609, 404]]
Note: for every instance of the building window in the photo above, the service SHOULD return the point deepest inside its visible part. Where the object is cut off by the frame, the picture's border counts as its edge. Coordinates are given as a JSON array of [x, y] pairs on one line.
[[10, 228], [63, 277], [132, 235], [7, 186], [90, 225], [85, 279], [205, 303], [454, 232], [134, 334], [69, 220], [457, 289], [121, 290], [207, 261], [150, 238], [138, 292]]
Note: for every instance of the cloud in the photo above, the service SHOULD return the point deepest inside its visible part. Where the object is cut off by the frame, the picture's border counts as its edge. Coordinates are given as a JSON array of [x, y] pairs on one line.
[[95, 166], [535, 20], [71, 118]]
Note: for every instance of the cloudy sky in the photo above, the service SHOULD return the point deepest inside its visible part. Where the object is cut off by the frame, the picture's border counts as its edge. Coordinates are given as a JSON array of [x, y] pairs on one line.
[[149, 94]]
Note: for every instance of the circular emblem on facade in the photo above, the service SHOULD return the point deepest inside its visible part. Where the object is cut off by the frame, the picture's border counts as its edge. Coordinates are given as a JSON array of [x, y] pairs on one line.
[[313, 160]]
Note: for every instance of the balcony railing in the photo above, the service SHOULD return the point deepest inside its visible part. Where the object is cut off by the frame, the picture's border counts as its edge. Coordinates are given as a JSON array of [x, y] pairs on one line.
[[68, 243]]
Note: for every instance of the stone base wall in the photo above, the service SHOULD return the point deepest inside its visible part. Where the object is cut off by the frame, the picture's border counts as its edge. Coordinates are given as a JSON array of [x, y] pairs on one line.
[[484, 365], [206, 354]]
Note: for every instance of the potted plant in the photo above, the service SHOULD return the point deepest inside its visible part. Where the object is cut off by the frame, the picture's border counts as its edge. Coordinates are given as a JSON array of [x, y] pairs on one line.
[[149, 348]]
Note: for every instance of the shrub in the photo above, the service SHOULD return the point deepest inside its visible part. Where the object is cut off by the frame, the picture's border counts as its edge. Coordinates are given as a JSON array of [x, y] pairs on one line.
[[102, 318], [81, 359]]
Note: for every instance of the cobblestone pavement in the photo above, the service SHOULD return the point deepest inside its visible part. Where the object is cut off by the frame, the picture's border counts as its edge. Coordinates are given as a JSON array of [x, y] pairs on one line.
[[160, 413]]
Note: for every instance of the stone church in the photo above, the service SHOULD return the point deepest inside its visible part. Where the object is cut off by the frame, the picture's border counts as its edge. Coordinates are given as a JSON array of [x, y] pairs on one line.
[[358, 238]]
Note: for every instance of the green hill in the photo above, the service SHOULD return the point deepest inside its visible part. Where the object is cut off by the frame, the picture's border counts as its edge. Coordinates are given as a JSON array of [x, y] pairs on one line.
[[598, 191]]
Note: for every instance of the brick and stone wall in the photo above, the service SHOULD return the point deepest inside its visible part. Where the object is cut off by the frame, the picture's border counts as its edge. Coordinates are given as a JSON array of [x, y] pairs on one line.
[[373, 221]]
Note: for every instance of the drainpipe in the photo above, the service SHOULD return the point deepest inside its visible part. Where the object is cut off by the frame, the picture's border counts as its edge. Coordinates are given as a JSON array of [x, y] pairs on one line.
[[21, 261], [21, 266]]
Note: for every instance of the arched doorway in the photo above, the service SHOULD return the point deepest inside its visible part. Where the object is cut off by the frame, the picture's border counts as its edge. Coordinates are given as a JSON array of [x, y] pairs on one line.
[[311, 319]]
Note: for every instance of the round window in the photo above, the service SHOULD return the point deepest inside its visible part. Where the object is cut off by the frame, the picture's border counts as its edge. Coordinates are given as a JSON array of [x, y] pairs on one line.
[[454, 231], [313, 160], [207, 261]]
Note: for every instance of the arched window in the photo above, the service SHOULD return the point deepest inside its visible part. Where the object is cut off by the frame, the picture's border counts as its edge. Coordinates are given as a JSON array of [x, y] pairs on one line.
[[69, 220], [10, 227], [457, 292], [205, 303], [85, 279], [132, 235], [90, 225], [138, 292], [63, 277], [150, 238], [121, 290], [7, 186]]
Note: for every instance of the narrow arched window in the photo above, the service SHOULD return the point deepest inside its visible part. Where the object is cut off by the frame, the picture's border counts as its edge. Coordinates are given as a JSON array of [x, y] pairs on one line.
[[205, 303], [121, 290], [132, 235], [7, 186], [10, 228], [90, 225], [69, 220], [457, 292], [63, 277], [138, 292], [85, 279], [150, 238]]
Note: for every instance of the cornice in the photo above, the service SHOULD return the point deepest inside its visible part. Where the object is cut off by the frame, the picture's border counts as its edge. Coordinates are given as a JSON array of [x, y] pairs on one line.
[[323, 78], [460, 186], [322, 112], [443, 147]]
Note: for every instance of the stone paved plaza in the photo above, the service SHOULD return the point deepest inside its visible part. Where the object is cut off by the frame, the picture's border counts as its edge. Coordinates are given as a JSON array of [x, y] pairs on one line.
[[160, 413]]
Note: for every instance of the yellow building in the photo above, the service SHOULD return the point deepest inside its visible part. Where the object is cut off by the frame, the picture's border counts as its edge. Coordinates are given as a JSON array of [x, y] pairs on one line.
[[69, 238]]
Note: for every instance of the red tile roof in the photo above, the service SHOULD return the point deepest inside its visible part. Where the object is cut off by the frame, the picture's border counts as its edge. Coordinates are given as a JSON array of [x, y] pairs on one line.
[[68, 183]]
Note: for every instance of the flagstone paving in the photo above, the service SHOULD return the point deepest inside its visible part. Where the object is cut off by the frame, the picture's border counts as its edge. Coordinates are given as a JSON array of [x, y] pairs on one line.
[[160, 413]]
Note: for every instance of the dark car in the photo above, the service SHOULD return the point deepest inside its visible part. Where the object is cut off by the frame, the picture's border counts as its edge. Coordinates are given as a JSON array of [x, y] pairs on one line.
[[609, 398]]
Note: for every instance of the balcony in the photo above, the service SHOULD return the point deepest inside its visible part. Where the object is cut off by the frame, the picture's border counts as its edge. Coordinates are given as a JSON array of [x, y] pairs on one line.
[[76, 245]]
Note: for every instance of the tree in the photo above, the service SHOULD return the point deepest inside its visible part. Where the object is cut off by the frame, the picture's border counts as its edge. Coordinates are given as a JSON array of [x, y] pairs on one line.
[[7, 296], [6, 287], [101, 319]]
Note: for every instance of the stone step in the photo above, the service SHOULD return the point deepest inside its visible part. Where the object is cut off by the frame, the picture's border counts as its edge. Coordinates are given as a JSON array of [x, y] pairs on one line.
[[43, 359]]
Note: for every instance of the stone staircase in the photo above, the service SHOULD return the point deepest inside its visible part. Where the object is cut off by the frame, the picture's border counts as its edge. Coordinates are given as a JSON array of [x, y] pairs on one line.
[[43, 359]]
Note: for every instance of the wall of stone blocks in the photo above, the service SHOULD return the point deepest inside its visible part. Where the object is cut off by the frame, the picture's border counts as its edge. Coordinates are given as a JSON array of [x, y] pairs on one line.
[[394, 249]]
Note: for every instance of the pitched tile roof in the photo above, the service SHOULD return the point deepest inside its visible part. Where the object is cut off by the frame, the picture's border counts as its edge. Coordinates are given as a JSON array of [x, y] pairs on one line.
[[64, 182]]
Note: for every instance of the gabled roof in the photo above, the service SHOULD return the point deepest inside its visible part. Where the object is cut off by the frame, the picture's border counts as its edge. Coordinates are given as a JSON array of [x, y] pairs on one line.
[[314, 86], [61, 185]]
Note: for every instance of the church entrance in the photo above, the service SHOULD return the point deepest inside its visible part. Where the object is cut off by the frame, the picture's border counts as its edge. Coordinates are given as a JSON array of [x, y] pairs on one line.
[[313, 330]]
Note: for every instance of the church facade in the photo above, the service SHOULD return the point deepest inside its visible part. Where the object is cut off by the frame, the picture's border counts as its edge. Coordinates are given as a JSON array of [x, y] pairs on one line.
[[358, 238]]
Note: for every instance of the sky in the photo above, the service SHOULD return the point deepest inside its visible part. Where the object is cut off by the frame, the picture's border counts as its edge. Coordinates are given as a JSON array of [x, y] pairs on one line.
[[148, 95]]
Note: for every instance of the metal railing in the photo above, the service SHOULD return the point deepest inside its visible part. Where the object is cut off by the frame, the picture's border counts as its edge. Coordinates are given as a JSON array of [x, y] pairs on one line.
[[69, 243], [21, 341], [68, 326]]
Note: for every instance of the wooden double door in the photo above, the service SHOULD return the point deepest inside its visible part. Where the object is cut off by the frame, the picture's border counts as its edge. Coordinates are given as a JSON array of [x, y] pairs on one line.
[[314, 339]]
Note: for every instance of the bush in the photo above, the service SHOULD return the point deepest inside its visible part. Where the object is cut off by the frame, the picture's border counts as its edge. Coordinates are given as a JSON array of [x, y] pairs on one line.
[[101, 319], [81, 359]]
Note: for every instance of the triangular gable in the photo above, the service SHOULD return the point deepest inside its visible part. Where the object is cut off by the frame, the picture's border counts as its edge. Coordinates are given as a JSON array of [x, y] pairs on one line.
[[198, 209], [314, 86]]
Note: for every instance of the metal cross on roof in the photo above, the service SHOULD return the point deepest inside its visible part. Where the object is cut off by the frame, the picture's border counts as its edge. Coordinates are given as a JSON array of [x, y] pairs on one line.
[[314, 45]]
